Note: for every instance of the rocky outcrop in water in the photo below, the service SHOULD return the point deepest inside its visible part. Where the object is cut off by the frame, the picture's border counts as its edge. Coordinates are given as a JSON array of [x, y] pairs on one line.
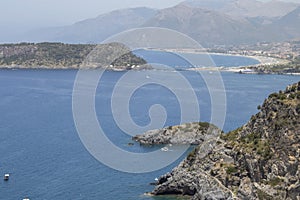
[[260, 160], [189, 133]]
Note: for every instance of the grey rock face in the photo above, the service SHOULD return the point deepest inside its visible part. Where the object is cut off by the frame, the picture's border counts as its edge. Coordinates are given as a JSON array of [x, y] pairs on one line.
[[189, 133]]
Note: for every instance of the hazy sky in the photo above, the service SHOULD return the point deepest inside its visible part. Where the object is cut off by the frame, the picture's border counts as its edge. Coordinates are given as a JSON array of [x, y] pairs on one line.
[[23, 15]]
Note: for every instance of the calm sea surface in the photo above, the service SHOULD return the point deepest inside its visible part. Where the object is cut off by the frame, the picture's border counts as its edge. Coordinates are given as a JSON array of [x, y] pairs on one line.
[[40, 148]]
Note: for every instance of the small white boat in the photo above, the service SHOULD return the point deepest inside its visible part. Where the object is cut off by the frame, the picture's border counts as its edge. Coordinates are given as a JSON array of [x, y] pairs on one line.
[[164, 149], [6, 177]]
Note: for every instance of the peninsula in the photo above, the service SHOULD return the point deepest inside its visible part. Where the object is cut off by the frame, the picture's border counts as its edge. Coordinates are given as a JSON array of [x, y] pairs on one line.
[[69, 56]]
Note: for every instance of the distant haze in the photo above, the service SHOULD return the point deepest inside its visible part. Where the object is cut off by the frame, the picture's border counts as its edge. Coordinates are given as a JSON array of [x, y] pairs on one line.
[[45, 13], [20, 16], [62, 12]]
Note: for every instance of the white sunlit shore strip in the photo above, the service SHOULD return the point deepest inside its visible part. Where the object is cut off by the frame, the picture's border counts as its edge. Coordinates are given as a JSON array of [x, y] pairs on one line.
[[264, 60], [246, 69]]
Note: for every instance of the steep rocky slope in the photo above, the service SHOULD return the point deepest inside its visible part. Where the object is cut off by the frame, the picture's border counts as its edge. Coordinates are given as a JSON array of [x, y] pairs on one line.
[[259, 160]]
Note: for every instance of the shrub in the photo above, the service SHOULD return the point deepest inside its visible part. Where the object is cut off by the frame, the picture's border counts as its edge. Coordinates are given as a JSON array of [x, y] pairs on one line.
[[231, 169], [204, 124], [275, 181], [273, 95], [232, 135]]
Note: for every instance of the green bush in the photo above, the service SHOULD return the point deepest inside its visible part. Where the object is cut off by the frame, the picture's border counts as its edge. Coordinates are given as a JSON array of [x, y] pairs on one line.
[[275, 181], [231, 170], [232, 135], [273, 95]]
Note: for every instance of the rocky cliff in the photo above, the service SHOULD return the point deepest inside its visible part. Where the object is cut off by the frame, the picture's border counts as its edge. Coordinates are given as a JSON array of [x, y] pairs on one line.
[[189, 133], [259, 160]]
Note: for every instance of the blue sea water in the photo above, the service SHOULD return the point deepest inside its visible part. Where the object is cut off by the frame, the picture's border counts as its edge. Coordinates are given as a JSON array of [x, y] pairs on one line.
[[184, 60], [40, 148]]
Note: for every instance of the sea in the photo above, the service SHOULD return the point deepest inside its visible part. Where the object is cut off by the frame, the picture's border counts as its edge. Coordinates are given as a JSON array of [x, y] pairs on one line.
[[42, 151]]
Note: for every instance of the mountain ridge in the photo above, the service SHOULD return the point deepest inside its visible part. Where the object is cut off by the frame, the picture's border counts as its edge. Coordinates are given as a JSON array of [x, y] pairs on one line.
[[229, 22], [246, 8], [95, 30], [205, 26]]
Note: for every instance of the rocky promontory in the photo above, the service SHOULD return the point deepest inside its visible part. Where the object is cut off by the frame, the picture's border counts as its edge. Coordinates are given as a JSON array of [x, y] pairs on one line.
[[189, 133], [260, 160], [112, 56]]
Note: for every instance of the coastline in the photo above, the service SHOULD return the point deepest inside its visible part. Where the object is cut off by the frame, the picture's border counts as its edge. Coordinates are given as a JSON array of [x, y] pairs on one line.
[[266, 62], [108, 68], [262, 59]]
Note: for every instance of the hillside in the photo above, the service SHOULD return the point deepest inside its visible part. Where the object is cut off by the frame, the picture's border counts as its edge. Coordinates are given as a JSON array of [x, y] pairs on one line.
[[288, 24], [60, 56], [205, 26], [225, 27], [259, 160]]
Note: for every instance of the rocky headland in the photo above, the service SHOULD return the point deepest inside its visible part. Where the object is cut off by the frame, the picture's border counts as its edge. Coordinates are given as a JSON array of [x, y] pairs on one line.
[[113, 56], [260, 160], [190, 133]]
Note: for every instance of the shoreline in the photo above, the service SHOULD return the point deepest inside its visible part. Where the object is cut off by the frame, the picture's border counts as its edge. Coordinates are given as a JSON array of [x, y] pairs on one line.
[[264, 60], [243, 69], [240, 70]]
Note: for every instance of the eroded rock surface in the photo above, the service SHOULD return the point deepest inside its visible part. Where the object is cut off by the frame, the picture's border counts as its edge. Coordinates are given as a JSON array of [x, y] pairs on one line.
[[189, 133]]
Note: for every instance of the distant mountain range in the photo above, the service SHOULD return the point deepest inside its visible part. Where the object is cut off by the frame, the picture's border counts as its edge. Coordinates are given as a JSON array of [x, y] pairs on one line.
[[94, 30], [210, 22], [245, 8]]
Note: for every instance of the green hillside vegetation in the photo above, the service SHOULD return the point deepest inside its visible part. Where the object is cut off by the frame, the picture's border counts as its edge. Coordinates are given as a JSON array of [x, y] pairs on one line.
[[55, 55]]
